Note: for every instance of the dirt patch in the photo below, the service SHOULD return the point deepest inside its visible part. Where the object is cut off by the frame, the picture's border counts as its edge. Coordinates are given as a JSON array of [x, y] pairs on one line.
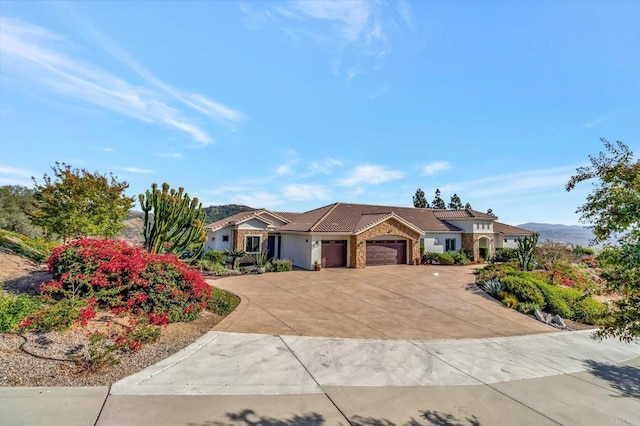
[[43, 359]]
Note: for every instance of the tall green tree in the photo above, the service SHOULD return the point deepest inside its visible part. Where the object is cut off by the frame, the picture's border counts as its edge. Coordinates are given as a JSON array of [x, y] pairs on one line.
[[438, 202], [15, 202], [75, 203], [173, 222], [419, 200], [455, 203], [612, 211], [467, 206]]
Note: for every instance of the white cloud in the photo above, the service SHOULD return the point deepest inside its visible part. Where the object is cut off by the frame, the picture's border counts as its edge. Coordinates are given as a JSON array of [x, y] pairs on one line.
[[135, 170], [284, 169], [435, 167], [514, 182], [258, 199], [596, 122], [106, 149], [325, 166], [42, 57], [356, 32], [371, 174], [15, 171], [170, 155], [298, 192]]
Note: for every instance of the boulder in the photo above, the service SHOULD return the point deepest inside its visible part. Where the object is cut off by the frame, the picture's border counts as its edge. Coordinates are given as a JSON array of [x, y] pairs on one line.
[[539, 315], [557, 319]]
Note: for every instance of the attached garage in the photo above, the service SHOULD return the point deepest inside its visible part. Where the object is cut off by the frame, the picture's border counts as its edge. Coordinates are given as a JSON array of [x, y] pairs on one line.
[[334, 253], [386, 252]]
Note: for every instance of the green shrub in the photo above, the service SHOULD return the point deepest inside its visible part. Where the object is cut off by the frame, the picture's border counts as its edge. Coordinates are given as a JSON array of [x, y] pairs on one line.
[[459, 257], [528, 307], [560, 300], [504, 254], [57, 317], [214, 256], [589, 310], [579, 250], [430, 257], [33, 248], [445, 259], [280, 265], [222, 302], [14, 309], [525, 289], [494, 272]]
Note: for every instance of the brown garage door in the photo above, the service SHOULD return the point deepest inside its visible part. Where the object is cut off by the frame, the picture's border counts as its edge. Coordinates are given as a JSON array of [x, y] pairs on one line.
[[388, 252], [334, 253]]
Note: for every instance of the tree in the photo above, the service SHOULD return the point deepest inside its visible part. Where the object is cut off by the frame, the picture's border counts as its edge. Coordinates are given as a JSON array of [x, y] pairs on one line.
[[419, 199], [75, 203], [467, 206], [455, 203], [490, 211], [612, 209], [176, 222], [15, 202], [438, 202]]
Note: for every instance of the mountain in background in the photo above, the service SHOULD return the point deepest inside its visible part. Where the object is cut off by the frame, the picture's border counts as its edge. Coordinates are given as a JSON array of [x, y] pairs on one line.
[[215, 213], [134, 221], [570, 234]]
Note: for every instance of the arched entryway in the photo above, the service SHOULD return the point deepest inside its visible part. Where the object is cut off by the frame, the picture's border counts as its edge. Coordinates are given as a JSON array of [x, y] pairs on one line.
[[484, 248]]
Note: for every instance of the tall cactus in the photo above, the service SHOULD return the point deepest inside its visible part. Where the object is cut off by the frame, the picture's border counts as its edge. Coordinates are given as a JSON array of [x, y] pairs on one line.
[[176, 224], [526, 250]]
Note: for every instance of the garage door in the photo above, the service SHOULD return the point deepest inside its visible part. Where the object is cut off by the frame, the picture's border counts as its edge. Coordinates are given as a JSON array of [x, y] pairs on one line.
[[334, 253], [389, 252]]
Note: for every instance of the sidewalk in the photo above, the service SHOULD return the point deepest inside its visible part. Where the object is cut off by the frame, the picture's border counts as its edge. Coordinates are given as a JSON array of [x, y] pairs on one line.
[[241, 379]]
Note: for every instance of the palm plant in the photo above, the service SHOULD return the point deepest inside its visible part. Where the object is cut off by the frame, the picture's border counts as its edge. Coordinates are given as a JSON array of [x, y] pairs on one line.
[[235, 255]]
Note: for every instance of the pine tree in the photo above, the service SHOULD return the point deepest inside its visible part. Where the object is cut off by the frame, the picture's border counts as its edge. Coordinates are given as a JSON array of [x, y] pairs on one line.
[[455, 203], [438, 202], [467, 206], [490, 211], [419, 199]]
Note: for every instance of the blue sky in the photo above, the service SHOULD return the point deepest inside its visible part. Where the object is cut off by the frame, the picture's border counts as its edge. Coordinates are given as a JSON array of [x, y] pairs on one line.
[[294, 105]]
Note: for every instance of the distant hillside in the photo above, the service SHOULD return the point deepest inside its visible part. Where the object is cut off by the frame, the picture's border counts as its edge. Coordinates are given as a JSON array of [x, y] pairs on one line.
[[215, 213], [570, 234], [135, 221]]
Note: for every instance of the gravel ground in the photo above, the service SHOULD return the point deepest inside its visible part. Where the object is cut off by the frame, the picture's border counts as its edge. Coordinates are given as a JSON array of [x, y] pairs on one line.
[[20, 368]]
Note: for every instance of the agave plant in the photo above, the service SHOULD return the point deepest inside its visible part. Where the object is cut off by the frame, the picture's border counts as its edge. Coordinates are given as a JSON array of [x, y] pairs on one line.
[[528, 307], [492, 287]]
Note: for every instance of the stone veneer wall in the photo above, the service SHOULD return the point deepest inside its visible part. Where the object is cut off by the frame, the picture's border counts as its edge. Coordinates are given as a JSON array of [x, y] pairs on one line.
[[470, 242], [239, 234], [392, 228]]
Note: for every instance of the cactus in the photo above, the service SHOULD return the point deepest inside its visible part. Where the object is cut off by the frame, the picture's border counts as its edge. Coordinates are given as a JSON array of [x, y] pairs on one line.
[[526, 249], [176, 222]]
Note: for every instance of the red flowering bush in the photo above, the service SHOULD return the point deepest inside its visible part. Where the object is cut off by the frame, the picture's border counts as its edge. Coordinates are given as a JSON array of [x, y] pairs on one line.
[[127, 280]]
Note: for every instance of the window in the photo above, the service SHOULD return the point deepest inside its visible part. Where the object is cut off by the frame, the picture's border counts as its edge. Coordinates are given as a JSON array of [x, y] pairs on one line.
[[450, 244], [435, 241], [225, 238], [252, 244], [506, 241]]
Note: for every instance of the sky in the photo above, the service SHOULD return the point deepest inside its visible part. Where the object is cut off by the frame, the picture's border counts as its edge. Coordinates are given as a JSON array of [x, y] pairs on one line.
[[292, 105]]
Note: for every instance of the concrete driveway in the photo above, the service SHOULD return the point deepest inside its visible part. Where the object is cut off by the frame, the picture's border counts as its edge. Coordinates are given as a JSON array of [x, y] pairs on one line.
[[384, 302]]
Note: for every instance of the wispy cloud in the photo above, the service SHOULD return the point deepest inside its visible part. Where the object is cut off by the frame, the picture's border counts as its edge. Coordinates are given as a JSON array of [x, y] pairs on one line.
[[514, 182], [106, 149], [284, 169], [15, 176], [45, 58], [135, 170], [258, 199], [370, 174], [176, 155], [596, 122], [356, 32], [436, 166], [298, 192]]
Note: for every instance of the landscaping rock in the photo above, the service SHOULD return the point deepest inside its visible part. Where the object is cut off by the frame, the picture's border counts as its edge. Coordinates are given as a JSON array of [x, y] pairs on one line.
[[557, 319], [549, 319], [539, 315]]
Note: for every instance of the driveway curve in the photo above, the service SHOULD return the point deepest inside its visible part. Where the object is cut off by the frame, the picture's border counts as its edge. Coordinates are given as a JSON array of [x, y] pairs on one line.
[[385, 302]]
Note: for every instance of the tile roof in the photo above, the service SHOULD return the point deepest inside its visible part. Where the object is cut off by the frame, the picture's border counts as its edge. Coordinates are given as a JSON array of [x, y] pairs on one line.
[[350, 218], [462, 214], [236, 218], [503, 228], [288, 216]]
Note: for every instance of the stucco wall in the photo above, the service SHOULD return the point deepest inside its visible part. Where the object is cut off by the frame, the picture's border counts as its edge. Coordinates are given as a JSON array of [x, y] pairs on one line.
[[253, 224], [297, 248], [214, 239], [431, 246]]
